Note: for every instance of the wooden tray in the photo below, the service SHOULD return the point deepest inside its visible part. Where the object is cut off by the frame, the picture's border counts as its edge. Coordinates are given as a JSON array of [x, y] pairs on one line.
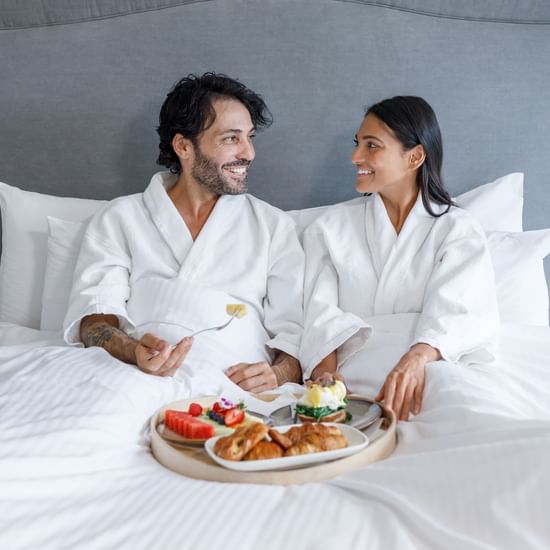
[[195, 463]]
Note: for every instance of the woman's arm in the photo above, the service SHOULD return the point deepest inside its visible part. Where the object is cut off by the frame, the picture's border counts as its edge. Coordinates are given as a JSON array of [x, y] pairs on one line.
[[326, 367]]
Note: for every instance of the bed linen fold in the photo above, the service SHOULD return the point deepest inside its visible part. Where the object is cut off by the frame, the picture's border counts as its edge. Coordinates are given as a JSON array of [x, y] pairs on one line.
[[76, 470]]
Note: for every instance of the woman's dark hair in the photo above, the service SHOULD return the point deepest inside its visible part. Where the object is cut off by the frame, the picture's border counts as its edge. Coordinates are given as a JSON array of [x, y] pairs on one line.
[[188, 110], [413, 122]]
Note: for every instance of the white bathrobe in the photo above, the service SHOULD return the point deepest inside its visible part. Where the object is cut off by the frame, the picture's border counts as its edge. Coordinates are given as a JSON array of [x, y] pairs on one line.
[[370, 294], [139, 262]]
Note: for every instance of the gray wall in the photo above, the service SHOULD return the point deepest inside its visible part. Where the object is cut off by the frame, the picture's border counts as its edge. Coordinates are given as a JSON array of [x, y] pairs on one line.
[[79, 102]]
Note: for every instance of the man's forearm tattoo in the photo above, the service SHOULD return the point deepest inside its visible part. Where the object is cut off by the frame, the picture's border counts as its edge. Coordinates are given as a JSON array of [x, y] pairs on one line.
[[100, 334]]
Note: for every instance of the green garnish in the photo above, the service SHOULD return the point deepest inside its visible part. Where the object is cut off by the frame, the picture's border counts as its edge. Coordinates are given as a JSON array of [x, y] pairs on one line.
[[316, 412]]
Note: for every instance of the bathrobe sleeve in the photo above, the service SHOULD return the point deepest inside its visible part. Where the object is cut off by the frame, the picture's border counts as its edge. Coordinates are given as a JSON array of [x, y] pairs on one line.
[[460, 312], [283, 304], [326, 326], [101, 278]]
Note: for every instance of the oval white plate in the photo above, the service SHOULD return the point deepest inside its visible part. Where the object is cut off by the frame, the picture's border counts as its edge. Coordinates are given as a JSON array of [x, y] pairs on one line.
[[356, 442]]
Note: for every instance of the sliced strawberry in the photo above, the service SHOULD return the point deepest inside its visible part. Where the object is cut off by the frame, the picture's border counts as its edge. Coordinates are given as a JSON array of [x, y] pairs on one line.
[[195, 409], [217, 407], [234, 416]]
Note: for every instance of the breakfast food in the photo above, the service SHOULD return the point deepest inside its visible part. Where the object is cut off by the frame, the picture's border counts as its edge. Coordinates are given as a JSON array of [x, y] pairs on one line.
[[250, 443], [224, 412], [237, 445], [200, 422], [236, 310], [315, 443], [280, 439], [264, 450], [299, 432], [323, 403], [187, 425]]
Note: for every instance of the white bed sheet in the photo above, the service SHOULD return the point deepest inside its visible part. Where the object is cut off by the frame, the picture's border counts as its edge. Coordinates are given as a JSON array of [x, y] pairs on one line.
[[76, 470]]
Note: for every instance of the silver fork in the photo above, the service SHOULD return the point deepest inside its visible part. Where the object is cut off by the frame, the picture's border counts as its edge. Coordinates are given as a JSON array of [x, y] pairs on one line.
[[219, 327]]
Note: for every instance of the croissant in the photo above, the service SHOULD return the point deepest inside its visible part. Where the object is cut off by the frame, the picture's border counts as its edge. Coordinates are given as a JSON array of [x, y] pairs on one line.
[[280, 438], [240, 442], [264, 450], [315, 443], [298, 432]]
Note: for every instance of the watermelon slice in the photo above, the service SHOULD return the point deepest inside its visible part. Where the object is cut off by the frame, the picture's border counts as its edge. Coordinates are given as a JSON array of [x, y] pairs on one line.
[[200, 430], [186, 425]]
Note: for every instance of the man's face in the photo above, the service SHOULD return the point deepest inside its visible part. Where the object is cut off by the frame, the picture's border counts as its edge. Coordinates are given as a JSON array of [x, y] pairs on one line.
[[224, 152]]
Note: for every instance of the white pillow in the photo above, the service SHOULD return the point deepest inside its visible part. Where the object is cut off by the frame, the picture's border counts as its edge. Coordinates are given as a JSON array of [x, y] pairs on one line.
[[24, 248], [522, 291], [497, 205], [64, 238]]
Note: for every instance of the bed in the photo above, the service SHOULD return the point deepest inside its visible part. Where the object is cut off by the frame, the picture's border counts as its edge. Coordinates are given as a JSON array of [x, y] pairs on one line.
[[81, 88]]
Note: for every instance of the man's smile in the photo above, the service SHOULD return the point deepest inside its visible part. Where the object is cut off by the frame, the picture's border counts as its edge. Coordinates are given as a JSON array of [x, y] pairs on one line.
[[237, 171]]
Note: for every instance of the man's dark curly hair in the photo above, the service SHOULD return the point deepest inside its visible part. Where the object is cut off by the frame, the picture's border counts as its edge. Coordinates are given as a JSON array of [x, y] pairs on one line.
[[188, 110]]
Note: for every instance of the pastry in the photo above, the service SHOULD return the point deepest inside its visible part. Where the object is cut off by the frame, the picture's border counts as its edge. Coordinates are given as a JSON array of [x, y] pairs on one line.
[[264, 450], [237, 445], [280, 438], [315, 443]]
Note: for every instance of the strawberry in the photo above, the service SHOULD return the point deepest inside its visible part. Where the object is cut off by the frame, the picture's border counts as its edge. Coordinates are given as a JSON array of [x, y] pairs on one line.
[[195, 409], [234, 416]]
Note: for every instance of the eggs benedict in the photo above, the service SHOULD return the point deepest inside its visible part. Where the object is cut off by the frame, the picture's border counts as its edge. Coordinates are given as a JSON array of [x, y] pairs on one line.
[[323, 403]]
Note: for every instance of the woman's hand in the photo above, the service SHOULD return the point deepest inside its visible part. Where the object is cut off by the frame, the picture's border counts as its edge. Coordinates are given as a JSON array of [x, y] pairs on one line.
[[326, 378], [404, 386]]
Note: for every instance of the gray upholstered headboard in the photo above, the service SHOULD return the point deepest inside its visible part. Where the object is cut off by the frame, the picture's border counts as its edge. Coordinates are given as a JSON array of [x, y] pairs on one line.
[[81, 85]]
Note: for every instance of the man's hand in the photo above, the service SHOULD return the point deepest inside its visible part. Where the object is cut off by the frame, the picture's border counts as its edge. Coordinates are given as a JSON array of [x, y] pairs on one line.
[[259, 377], [151, 354], [403, 389], [253, 377], [158, 357]]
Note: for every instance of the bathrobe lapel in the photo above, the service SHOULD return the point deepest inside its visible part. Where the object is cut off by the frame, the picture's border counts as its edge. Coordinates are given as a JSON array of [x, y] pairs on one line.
[[190, 255], [392, 254]]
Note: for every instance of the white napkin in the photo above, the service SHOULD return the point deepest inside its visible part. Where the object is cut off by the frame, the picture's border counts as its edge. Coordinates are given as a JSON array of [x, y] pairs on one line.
[[212, 381], [236, 394]]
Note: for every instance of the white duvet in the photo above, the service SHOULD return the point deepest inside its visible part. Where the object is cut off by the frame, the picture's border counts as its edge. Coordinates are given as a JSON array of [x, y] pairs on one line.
[[76, 471]]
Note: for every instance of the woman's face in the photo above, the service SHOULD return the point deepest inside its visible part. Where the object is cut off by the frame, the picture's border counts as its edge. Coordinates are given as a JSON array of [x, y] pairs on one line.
[[383, 166]]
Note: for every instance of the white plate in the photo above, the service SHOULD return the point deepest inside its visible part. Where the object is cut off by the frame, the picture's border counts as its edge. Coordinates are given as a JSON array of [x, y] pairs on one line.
[[357, 441], [183, 405]]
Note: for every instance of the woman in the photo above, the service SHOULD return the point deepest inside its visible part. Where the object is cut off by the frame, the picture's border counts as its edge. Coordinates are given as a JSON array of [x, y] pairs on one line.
[[403, 248]]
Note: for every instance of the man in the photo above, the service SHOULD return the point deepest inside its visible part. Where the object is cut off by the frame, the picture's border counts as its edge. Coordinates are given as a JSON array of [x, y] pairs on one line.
[[156, 267]]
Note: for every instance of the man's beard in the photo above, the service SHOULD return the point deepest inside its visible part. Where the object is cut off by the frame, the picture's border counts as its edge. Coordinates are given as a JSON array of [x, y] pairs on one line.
[[209, 174]]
